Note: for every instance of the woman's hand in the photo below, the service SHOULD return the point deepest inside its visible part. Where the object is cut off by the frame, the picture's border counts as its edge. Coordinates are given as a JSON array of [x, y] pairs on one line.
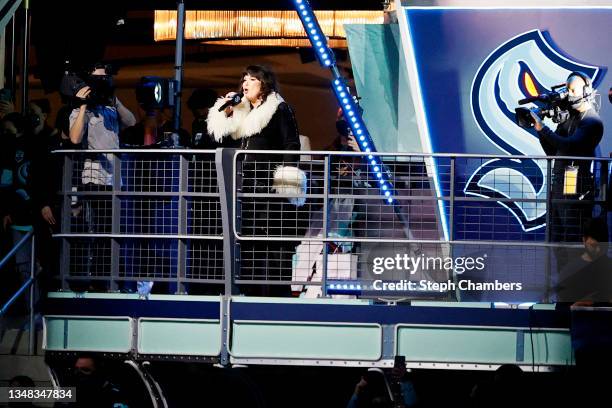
[[228, 111]]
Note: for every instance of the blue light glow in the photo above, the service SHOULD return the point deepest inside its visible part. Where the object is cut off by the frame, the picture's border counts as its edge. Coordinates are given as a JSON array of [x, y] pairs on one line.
[[384, 186], [309, 25], [365, 144], [370, 157], [390, 200], [354, 120], [342, 94], [368, 150], [313, 31], [316, 38], [304, 13], [362, 138], [339, 88], [387, 194], [357, 125], [359, 131], [307, 19], [350, 113], [327, 63], [301, 7], [373, 162], [345, 100], [379, 175], [321, 49], [376, 168]]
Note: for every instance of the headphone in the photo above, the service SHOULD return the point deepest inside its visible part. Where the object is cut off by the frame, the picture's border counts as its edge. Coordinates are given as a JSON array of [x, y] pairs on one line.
[[587, 90]]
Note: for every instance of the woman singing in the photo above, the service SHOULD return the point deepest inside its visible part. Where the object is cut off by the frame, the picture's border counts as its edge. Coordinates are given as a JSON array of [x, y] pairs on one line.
[[264, 121]]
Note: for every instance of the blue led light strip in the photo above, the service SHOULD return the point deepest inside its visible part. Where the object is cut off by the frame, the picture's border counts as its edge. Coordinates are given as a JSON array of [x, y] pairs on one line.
[[326, 58]]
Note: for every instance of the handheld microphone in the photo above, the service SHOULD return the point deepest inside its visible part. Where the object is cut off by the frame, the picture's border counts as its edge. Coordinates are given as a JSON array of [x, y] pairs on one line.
[[235, 100]]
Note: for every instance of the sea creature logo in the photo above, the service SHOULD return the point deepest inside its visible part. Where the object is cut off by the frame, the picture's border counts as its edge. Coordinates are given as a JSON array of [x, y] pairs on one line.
[[526, 65]]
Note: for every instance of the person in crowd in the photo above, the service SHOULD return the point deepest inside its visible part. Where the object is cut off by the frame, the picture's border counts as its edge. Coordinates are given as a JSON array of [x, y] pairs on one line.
[[149, 130], [94, 388], [16, 209], [262, 120], [46, 171], [199, 103], [6, 102], [587, 278]]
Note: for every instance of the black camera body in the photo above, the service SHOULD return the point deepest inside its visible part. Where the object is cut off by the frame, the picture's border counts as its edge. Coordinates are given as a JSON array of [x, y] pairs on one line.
[[102, 88], [554, 106]]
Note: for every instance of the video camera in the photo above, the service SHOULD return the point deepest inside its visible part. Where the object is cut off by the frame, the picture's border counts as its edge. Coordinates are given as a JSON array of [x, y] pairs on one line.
[[102, 87], [555, 106]]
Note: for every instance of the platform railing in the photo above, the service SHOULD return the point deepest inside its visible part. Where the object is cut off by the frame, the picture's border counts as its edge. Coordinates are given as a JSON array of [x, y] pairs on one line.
[[218, 222]]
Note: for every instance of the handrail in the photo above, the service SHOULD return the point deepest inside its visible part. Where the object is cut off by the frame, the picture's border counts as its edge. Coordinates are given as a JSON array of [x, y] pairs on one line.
[[29, 284], [337, 153], [13, 298], [16, 248]]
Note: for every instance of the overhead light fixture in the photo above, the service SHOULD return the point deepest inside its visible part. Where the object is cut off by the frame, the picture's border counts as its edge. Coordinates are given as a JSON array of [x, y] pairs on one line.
[[245, 25]]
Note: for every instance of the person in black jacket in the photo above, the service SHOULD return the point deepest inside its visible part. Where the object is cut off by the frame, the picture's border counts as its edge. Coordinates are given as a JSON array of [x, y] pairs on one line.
[[264, 121], [578, 136]]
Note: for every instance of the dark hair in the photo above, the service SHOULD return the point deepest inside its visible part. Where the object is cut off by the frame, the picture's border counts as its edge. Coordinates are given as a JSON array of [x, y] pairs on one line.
[[43, 104], [62, 120], [16, 119], [596, 228], [202, 98], [21, 381], [265, 75]]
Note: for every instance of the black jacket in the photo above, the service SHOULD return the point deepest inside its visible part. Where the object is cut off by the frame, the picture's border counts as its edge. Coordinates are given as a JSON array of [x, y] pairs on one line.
[[578, 136]]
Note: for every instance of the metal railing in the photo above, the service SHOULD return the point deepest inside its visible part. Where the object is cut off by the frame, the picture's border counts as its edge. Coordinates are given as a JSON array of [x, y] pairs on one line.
[[189, 218], [29, 284]]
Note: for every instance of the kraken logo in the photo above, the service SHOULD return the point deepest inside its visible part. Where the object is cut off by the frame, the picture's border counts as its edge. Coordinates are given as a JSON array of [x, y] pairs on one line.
[[525, 65]]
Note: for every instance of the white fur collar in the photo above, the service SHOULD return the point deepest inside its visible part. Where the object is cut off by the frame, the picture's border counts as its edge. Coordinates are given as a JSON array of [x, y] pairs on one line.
[[245, 121]]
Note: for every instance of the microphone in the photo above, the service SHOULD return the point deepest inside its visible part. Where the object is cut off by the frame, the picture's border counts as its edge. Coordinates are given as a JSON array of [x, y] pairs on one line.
[[232, 102], [529, 99]]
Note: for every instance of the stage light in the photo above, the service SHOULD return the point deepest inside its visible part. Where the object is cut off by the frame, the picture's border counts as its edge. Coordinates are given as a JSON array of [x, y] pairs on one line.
[[387, 194], [342, 94], [362, 138], [370, 156], [357, 125], [321, 49], [384, 186], [359, 131], [373, 162], [390, 200], [345, 101], [354, 120], [368, 150], [351, 286], [376, 168], [379, 175]]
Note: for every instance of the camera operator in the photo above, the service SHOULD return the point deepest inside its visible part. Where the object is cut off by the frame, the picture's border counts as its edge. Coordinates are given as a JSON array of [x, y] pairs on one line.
[[99, 119], [95, 125], [579, 135]]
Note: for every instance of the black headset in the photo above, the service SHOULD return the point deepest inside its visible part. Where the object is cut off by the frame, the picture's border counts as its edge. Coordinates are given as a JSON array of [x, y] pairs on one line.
[[587, 90]]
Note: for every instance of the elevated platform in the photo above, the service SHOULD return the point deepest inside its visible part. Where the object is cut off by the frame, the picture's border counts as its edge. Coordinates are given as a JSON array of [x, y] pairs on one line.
[[311, 332]]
